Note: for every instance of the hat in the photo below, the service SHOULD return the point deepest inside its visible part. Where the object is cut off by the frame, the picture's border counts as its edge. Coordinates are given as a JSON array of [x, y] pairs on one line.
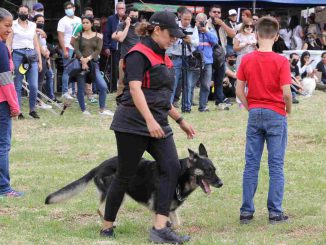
[[38, 6], [230, 54], [167, 20], [25, 66], [232, 12]]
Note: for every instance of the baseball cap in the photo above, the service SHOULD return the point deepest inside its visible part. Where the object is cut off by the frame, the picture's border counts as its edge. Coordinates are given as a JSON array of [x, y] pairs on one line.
[[167, 20], [232, 12], [38, 6]]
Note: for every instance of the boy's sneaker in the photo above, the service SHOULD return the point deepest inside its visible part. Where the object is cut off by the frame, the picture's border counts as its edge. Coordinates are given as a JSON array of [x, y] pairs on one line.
[[295, 101], [107, 233], [276, 219], [246, 218], [107, 113], [13, 193], [86, 113], [34, 115], [21, 116], [166, 235], [206, 109]]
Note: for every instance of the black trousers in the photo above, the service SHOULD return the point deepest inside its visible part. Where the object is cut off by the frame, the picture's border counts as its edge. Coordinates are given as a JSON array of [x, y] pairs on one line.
[[114, 62], [131, 148]]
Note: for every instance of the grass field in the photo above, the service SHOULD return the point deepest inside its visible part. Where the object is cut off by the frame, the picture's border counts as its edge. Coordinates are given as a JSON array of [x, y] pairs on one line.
[[51, 152]]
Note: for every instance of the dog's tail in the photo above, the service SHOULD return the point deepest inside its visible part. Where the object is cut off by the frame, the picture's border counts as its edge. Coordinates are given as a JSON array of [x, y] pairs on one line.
[[71, 189]]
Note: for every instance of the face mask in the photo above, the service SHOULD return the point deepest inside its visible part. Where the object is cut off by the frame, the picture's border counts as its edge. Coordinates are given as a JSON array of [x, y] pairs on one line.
[[23, 17], [69, 12], [39, 13], [97, 28], [232, 62], [40, 26], [133, 20], [247, 30], [294, 62]]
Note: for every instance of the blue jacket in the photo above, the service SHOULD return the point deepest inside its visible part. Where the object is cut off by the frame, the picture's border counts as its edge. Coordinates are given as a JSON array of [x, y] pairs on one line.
[[111, 27], [207, 41]]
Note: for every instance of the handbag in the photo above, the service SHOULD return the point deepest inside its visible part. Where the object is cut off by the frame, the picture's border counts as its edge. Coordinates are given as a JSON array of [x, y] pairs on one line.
[[218, 56], [196, 61], [73, 67]]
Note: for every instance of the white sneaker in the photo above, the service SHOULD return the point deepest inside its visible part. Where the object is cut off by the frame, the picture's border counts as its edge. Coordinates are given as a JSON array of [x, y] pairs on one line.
[[107, 113], [43, 106], [86, 113], [67, 99]]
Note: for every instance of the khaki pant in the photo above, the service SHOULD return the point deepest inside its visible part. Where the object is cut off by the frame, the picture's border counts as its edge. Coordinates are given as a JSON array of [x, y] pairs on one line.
[[121, 78]]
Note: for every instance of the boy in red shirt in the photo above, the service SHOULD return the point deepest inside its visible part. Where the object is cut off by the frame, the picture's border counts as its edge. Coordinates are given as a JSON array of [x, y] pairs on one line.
[[267, 76]]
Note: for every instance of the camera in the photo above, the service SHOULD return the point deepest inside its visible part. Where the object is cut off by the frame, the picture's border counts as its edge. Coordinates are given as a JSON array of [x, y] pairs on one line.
[[187, 33]]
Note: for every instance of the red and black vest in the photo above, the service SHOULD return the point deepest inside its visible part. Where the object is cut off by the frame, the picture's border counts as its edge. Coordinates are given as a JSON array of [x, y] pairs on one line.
[[157, 83]]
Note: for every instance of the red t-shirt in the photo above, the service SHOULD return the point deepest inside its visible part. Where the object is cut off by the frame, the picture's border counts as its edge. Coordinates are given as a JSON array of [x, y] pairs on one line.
[[265, 74]]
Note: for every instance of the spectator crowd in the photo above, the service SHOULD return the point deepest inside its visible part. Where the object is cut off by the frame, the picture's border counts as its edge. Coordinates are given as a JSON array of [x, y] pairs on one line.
[[208, 57]]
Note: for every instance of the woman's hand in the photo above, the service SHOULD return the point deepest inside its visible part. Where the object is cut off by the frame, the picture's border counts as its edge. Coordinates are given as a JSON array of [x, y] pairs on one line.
[[187, 128], [85, 66], [155, 129], [14, 113]]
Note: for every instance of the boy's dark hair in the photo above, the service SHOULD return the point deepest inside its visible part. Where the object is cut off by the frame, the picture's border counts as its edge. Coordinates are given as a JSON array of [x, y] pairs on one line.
[[66, 4], [87, 9], [293, 54], [133, 9], [323, 54], [215, 6], [37, 16], [267, 27]]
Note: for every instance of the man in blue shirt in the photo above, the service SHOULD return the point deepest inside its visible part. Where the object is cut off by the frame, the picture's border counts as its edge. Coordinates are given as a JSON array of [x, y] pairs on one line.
[[110, 45]]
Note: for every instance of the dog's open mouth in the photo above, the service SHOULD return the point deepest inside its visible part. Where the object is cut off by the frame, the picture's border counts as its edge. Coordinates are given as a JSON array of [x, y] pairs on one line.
[[206, 187]]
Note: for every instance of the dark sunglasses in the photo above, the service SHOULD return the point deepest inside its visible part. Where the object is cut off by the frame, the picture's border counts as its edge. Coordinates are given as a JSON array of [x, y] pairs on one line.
[[39, 10], [249, 26]]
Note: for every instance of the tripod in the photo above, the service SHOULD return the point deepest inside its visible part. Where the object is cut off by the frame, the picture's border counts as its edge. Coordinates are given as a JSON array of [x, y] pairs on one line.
[[184, 74]]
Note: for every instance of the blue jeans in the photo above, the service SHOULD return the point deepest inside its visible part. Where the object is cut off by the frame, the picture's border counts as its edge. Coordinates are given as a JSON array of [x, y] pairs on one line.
[[265, 125], [31, 77], [101, 87], [218, 77], [205, 84], [177, 64], [65, 75], [5, 142], [49, 90]]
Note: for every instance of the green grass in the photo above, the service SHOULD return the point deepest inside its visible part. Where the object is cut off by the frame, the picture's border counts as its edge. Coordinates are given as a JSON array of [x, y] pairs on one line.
[[49, 153]]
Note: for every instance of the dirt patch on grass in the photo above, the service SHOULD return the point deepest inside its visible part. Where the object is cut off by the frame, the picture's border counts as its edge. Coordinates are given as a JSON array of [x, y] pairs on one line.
[[8, 211], [302, 232]]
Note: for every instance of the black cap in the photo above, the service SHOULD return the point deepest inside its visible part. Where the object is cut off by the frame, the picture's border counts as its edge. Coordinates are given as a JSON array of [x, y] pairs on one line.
[[167, 20]]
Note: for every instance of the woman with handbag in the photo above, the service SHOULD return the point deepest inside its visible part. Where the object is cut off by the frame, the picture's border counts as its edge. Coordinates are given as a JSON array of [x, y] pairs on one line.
[[88, 46], [23, 42], [8, 105]]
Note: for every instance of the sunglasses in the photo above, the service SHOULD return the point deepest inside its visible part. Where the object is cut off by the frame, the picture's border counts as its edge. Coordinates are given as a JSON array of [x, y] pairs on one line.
[[216, 12], [249, 26]]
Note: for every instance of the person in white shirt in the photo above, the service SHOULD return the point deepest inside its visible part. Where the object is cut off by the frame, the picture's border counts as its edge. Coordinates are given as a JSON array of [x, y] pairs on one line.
[[23, 41], [190, 43], [65, 28]]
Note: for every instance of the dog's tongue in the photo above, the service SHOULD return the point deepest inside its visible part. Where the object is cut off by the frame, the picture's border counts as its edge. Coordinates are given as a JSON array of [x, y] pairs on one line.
[[206, 186]]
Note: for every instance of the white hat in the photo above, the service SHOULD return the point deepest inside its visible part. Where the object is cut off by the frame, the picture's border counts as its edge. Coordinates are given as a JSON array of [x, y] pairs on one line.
[[232, 12]]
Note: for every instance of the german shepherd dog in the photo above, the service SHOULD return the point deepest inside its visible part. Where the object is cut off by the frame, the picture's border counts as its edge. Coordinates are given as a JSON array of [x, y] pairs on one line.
[[196, 170]]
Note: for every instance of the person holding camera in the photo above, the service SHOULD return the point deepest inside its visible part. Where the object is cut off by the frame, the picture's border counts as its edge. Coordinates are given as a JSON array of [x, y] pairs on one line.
[[180, 54], [222, 31], [127, 37], [207, 40]]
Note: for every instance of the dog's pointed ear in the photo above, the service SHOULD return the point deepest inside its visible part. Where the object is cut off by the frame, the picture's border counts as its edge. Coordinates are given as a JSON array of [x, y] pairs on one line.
[[202, 150], [191, 154]]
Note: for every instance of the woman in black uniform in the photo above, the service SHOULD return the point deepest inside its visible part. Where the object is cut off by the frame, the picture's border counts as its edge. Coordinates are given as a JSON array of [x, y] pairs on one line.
[[141, 124]]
